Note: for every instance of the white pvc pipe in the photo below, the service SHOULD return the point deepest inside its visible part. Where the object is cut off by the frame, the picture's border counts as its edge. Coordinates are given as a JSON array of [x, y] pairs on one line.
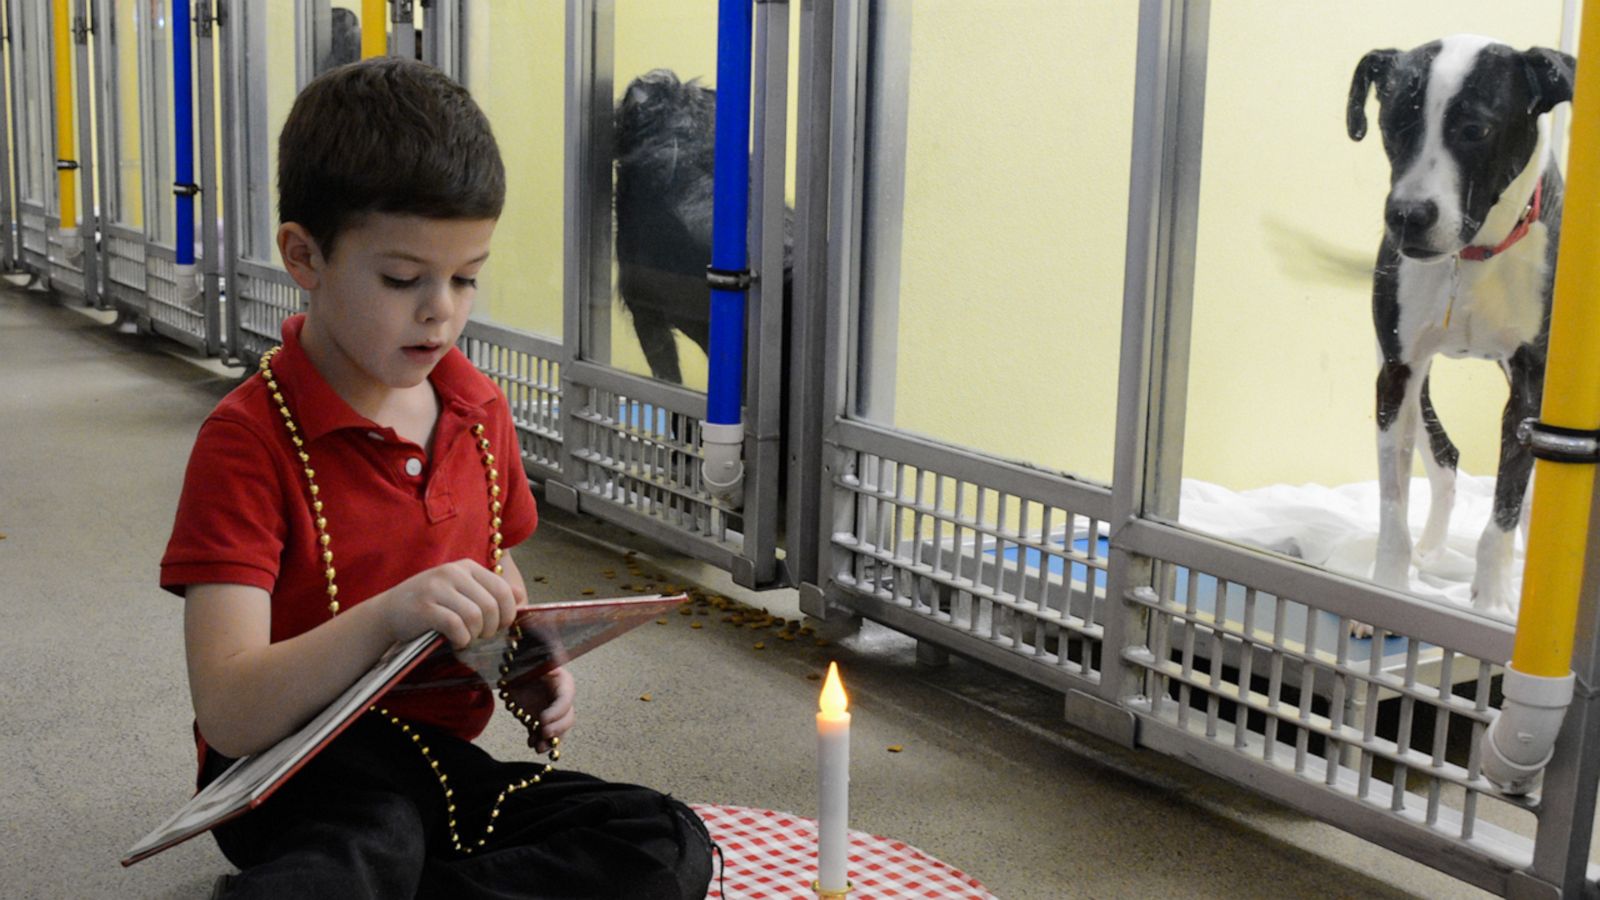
[[188, 278], [723, 466], [1521, 740]]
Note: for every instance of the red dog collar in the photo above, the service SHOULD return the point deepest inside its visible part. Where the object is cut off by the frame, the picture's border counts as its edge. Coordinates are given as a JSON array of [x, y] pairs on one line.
[[1478, 254]]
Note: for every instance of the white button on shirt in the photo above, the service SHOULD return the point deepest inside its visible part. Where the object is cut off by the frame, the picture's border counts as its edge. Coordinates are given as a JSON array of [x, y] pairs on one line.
[[413, 467]]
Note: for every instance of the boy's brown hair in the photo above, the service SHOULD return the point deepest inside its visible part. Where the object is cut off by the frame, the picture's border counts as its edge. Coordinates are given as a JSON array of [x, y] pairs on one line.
[[388, 135]]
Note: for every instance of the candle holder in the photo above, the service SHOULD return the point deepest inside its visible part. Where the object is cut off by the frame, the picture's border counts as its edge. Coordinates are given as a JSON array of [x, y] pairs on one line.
[[816, 887]]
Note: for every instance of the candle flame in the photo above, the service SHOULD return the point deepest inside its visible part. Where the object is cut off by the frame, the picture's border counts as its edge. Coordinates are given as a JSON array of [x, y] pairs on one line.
[[833, 701]]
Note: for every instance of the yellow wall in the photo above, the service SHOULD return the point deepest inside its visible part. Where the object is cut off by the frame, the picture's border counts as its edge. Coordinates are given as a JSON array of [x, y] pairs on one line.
[[1018, 128], [516, 75], [281, 89], [1281, 386], [130, 147]]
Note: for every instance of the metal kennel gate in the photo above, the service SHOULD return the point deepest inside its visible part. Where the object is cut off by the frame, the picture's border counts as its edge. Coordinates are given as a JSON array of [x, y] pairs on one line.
[[1238, 662], [8, 172], [34, 134], [74, 267], [118, 54], [65, 263], [630, 446]]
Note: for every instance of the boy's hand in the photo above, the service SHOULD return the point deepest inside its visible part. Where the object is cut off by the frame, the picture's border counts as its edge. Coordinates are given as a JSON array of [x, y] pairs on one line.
[[550, 699], [461, 600]]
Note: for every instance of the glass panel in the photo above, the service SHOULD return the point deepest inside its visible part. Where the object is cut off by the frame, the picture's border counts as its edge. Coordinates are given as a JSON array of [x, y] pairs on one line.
[[267, 92], [8, 50], [35, 103], [663, 193], [994, 225], [516, 70], [664, 77], [127, 147], [158, 121], [1279, 447], [335, 33]]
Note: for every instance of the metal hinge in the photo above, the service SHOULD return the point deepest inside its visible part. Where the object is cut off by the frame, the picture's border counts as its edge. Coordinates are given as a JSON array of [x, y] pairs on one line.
[[202, 19], [1557, 444], [81, 30], [729, 279], [400, 12]]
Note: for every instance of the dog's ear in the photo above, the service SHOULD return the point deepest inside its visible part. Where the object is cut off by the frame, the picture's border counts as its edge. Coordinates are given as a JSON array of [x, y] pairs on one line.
[[1551, 75], [1373, 68]]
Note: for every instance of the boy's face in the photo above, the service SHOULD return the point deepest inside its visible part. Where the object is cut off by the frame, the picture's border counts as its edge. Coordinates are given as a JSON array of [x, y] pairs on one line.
[[393, 298]]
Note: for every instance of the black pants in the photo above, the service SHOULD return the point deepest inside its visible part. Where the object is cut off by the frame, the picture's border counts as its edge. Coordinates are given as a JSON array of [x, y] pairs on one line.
[[367, 818]]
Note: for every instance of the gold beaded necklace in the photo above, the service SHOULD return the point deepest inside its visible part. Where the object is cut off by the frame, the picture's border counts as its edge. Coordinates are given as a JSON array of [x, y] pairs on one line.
[[513, 638]]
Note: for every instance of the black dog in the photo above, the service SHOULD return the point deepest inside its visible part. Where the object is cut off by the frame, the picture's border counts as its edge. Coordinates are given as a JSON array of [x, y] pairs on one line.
[[665, 150]]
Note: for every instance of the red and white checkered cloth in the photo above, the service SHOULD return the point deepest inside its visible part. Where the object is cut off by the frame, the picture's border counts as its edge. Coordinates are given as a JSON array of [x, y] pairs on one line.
[[773, 856]]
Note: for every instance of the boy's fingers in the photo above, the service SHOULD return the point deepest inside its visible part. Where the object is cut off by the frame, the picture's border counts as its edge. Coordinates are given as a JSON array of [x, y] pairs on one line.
[[467, 612], [474, 586], [448, 622], [560, 684], [497, 592]]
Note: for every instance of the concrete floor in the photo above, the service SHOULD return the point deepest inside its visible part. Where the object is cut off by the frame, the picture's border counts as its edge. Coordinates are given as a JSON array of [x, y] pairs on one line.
[[95, 429]]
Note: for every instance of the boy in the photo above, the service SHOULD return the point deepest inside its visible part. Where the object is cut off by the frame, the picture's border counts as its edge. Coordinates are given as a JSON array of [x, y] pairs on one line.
[[361, 491]]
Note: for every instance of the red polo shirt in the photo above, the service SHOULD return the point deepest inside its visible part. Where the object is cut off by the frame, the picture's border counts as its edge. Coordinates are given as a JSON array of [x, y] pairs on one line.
[[392, 511]]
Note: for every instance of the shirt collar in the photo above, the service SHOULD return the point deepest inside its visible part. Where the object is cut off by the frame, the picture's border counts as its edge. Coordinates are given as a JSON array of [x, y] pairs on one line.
[[319, 409]]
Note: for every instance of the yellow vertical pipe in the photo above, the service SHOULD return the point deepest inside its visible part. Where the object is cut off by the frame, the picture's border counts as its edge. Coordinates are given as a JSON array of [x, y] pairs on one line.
[[374, 28], [65, 140], [1561, 491]]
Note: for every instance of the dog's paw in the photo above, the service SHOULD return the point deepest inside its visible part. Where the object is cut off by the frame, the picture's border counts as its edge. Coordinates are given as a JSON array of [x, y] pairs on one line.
[[1360, 629], [1495, 599], [1427, 557]]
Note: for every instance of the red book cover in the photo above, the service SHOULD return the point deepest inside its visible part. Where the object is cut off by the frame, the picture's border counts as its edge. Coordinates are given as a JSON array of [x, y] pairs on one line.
[[552, 634]]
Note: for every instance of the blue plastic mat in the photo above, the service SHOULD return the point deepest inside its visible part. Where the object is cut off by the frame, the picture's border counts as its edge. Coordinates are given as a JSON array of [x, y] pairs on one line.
[[1327, 637]]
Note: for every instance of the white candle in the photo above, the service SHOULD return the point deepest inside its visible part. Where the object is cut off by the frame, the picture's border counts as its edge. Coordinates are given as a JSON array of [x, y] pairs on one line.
[[833, 783]]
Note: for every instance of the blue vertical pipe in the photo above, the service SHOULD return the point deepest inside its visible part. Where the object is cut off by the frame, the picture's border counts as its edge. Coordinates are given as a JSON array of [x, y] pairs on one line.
[[730, 210], [183, 144]]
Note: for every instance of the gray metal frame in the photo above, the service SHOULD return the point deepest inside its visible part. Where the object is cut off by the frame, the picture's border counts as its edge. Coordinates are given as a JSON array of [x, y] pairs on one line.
[[157, 190], [211, 255], [30, 48], [90, 222], [402, 27], [443, 41], [122, 248], [80, 280], [8, 119]]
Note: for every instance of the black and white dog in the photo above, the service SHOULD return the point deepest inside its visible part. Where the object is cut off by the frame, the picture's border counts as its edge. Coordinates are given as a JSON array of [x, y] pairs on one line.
[[1466, 269]]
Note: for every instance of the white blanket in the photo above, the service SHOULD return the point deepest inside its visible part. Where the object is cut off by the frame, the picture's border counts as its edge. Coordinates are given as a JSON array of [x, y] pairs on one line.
[[1337, 527]]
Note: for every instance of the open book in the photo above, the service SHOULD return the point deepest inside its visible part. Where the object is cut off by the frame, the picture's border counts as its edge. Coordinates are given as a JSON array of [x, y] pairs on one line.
[[552, 635]]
